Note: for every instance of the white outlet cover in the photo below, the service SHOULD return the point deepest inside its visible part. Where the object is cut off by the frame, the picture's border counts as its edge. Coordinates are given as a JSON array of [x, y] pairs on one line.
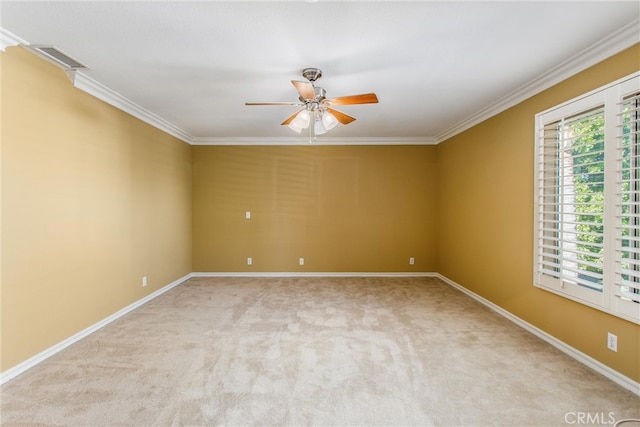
[[612, 342]]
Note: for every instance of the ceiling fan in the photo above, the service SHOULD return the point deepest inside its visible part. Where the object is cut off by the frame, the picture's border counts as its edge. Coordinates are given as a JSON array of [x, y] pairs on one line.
[[317, 112]]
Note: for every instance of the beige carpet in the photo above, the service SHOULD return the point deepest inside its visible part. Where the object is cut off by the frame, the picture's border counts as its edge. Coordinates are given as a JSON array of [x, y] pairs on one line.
[[312, 351]]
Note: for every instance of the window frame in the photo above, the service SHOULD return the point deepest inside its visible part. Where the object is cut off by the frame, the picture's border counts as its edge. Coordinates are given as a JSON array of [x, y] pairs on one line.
[[610, 97]]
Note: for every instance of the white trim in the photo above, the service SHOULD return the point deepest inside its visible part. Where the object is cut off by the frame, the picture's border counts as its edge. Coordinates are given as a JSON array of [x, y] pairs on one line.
[[100, 91], [103, 93], [624, 38], [322, 140], [576, 354], [602, 369], [33, 361], [313, 274], [8, 39], [56, 348], [579, 98], [607, 98]]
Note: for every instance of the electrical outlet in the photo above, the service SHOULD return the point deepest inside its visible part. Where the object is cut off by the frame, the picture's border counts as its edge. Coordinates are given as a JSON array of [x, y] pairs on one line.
[[612, 342], [144, 281], [249, 261], [247, 215], [412, 261], [301, 261]]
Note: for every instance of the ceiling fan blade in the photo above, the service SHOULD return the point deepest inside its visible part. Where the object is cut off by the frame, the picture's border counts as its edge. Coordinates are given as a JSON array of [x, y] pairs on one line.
[[305, 89], [272, 103], [365, 98], [343, 118], [291, 117]]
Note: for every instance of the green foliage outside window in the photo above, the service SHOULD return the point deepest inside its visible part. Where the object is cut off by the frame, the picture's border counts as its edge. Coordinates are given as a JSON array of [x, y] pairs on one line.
[[587, 172]]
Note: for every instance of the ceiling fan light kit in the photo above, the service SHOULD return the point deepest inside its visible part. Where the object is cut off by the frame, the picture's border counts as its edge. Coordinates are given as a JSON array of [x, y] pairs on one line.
[[302, 119], [316, 112], [329, 120]]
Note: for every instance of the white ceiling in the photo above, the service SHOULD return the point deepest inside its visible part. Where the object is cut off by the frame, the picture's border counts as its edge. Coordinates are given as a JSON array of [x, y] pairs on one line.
[[435, 65]]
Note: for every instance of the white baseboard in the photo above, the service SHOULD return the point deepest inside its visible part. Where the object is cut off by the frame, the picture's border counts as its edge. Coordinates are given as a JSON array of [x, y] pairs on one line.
[[313, 274], [599, 367], [590, 362], [31, 362]]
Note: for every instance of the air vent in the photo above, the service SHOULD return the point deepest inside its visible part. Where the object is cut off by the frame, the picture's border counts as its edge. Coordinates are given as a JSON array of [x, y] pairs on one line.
[[58, 57]]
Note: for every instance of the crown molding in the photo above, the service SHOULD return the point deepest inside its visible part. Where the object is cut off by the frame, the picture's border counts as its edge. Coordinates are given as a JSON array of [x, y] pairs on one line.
[[624, 38], [100, 91], [8, 39], [293, 140]]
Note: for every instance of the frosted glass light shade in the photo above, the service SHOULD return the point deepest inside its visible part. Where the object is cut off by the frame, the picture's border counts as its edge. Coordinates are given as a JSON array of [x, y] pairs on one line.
[[318, 127], [302, 120], [294, 128], [329, 120]]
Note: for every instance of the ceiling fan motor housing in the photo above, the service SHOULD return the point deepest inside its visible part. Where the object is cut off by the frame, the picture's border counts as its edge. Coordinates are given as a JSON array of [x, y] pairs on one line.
[[319, 96]]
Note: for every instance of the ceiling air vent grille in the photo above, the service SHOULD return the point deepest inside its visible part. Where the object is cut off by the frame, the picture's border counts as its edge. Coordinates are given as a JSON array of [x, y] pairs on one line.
[[58, 57]]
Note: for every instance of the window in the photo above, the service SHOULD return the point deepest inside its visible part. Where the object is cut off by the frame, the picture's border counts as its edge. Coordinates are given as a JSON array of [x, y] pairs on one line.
[[587, 199]]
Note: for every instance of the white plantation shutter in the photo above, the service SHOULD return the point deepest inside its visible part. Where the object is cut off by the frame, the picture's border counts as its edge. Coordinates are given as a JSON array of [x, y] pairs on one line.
[[587, 199], [627, 281], [571, 204], [549, 257]]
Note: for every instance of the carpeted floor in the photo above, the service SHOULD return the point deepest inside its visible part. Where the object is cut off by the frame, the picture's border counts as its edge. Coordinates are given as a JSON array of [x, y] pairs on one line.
[[312, 351]]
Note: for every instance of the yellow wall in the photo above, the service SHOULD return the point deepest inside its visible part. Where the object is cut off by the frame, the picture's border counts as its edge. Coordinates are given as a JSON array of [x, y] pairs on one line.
[[485, 221], [342, 208], [92, 200]]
